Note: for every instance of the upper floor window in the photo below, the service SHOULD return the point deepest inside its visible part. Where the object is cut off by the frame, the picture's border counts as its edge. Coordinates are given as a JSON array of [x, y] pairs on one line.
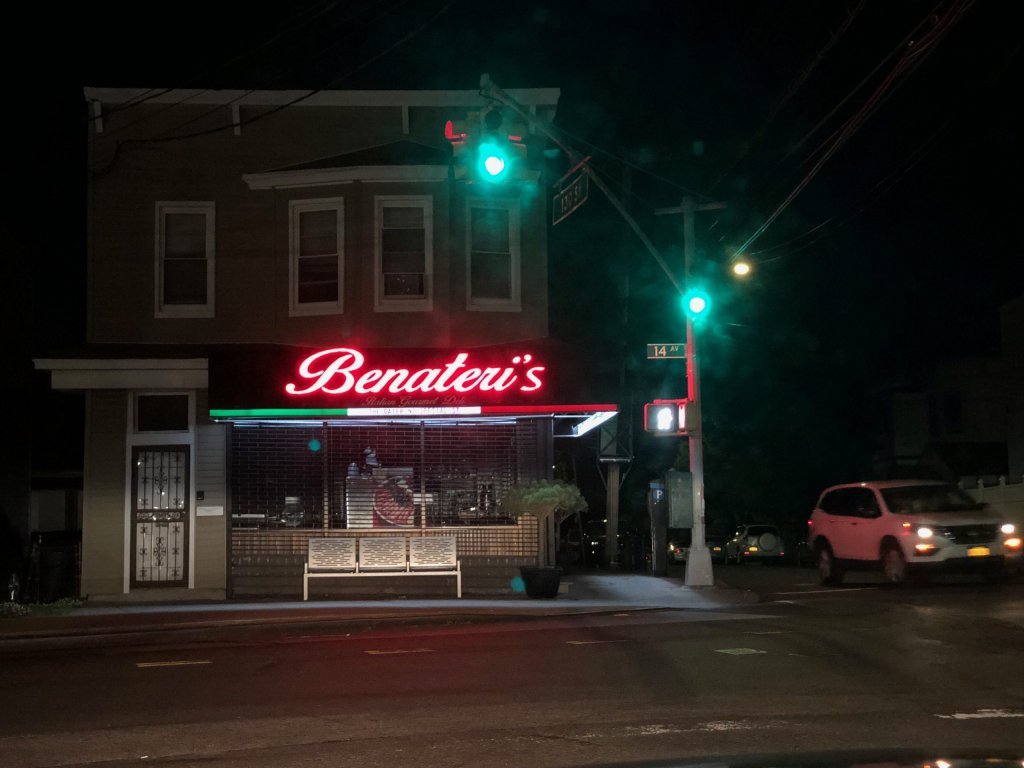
[[404, 253], [493, 256], [184, 259], [316, 284]]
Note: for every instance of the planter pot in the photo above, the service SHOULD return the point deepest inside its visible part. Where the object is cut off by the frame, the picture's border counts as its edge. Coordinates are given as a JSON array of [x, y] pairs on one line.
[[541, 581]]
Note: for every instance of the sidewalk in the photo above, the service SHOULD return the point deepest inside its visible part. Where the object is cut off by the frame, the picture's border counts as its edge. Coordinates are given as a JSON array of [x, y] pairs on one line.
[[129, 623]]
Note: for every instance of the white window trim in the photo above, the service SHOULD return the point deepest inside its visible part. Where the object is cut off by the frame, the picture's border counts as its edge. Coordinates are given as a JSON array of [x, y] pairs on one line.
[[514, 303], [184, 310], [295, 208], [425, 304]]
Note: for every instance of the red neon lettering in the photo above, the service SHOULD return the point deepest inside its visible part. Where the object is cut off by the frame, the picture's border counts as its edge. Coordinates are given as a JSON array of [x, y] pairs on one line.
[[324, 375], [338, 370], [422, 380], [533, 376], [467, 380]]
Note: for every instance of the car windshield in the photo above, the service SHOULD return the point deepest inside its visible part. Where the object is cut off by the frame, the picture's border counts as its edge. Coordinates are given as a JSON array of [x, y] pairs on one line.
[[757, 530], [919, 499]]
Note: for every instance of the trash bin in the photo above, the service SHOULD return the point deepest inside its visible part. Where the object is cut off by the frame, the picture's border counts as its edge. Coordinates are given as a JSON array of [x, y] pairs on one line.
[[53, 565]]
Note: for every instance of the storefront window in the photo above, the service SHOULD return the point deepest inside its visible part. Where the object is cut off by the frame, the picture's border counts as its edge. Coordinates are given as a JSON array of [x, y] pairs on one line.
[[401, 475]]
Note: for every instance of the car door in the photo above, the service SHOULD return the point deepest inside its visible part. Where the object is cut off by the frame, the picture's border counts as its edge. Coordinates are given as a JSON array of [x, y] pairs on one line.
[[836, 522], [865, 524]]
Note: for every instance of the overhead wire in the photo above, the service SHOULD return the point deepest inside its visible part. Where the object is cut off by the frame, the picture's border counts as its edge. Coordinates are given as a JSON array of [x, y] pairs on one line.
[[793, 88], [297, 23], [890, 180], [244, 94], [908, 62], [262, 116]]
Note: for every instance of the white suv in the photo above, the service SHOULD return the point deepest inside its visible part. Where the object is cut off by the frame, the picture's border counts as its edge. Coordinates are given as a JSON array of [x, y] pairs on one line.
[[908, 526]]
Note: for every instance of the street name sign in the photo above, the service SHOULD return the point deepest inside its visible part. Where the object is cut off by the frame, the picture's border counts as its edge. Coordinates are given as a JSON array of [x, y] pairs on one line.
[[675, 351], [570, 197]]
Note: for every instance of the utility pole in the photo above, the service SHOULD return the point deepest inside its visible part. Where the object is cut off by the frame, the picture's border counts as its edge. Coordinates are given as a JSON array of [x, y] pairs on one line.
[[698, 561]]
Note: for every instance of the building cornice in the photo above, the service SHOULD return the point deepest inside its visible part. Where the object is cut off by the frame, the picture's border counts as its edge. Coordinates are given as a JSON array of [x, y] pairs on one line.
[[530, 97], [319, 177]]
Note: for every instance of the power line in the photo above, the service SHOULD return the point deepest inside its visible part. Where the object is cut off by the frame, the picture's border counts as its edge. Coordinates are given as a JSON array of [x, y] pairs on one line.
[[907, 63], [163, 140], [297, 22], [793, 88], [884, 185], [237, 99]]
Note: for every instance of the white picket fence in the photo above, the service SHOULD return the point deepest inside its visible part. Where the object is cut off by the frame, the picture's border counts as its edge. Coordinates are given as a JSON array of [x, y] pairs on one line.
[[1005, 498]]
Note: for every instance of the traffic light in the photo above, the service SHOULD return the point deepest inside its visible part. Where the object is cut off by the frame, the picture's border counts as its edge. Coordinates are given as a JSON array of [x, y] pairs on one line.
[[665, 417], [486, 147], [696, 303]]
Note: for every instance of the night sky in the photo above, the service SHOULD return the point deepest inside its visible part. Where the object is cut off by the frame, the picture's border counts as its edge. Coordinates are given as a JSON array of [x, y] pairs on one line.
[[895, 254]]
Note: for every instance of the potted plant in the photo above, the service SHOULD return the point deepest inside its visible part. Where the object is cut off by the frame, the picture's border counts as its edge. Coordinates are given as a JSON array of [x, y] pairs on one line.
[[551, 502]]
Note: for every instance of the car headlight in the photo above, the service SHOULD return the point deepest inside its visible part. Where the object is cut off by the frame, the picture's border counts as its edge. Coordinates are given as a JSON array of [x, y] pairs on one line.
[[1008, 528], [925, 532]]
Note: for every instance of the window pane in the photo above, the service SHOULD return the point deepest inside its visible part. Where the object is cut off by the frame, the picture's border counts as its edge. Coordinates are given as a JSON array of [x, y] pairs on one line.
[[403, 240], [185, 236], [318, 279], [318, 232], [403, 217], [491, 276], [401, 261], [184, 281], [161, 413], [404, 284], [490, 229]]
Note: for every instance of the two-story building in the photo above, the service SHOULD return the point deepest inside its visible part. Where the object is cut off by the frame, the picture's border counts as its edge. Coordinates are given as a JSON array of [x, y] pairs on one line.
[[305, 319]]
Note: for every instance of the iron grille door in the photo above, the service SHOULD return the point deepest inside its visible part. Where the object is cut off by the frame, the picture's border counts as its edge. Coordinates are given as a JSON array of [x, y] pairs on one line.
[[160, 516]]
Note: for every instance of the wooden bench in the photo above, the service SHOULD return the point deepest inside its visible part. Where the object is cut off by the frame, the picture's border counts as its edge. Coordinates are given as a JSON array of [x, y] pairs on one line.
[[384, 556]]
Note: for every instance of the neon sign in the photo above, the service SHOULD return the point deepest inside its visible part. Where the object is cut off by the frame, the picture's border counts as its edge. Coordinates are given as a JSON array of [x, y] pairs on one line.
[[341, 370]]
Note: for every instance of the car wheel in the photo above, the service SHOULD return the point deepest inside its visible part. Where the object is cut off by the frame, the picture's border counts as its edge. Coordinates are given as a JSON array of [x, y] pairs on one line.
[[894, 564], [829, 571]]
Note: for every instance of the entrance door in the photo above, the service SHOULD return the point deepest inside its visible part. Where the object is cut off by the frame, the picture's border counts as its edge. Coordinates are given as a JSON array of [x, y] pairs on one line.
[[160, 516]]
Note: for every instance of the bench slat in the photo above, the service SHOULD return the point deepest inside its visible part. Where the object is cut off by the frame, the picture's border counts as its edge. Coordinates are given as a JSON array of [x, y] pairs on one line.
[[432, 553], [332, 554], [382, 554]]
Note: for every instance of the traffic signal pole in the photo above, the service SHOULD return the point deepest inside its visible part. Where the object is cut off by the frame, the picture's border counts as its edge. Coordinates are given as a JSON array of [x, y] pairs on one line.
[[698, 560]]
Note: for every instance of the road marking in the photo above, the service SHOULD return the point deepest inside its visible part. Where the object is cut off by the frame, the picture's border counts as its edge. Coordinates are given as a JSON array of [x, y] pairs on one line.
[[981, 714], [769, 632], [184, 663], [823, 591], [592, 642], [392, 653], [738, 651]]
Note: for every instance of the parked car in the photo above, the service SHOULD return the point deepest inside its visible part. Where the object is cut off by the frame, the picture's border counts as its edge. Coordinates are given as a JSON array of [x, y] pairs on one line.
[[717, 546], [679, 540], [909, 527], [760, 542]]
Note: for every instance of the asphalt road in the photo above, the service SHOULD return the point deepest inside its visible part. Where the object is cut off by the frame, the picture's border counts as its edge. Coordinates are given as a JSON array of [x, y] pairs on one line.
[[937, 669]]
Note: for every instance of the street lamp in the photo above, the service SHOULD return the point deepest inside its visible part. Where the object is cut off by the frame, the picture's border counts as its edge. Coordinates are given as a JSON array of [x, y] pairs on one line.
[[741, 268]]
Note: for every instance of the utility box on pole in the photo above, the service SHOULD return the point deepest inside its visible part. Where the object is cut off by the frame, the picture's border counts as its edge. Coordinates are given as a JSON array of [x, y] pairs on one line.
[[679, 489]]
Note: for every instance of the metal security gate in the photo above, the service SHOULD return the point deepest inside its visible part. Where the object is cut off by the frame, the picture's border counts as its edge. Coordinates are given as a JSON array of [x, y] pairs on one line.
[[160, 516], [412, 474]]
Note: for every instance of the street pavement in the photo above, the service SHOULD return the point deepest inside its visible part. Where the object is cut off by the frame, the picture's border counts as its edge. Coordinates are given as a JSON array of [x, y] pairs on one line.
[[146, 623]]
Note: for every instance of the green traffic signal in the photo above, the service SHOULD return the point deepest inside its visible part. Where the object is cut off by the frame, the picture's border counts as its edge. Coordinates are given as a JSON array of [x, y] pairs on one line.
[[494, 161], [696, 303]]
